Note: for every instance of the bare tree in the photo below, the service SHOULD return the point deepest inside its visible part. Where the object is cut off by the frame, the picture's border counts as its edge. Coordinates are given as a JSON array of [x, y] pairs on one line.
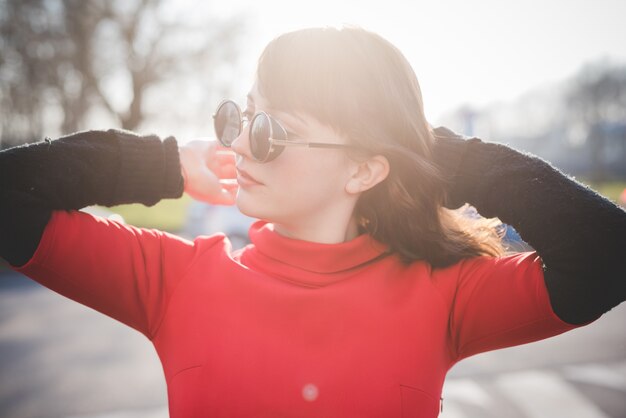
[[596, 100], [63, 60]]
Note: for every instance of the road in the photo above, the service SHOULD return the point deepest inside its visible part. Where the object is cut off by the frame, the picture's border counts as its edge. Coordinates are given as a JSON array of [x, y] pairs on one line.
[[61, 359]]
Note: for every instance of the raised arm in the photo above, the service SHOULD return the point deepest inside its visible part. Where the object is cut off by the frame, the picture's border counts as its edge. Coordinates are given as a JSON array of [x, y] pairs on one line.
[[94, 167], [580, 236], [125, 272], [106, 168]]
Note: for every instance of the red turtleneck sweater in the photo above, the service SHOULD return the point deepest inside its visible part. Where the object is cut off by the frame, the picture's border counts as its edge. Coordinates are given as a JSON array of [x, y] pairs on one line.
[[287, 328]]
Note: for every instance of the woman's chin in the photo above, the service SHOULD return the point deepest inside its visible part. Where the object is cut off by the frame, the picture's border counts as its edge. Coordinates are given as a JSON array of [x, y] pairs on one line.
[[248, 205]]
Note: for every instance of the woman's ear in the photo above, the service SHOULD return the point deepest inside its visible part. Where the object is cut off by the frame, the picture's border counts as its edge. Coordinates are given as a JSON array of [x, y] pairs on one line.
[[368, 174]]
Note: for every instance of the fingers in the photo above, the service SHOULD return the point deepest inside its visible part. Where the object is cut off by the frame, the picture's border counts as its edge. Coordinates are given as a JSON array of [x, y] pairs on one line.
[[211, 172], [220, 147], [227, 195], [225, 156], [216, 157], [223, 164], [229, 184], [218, 192]]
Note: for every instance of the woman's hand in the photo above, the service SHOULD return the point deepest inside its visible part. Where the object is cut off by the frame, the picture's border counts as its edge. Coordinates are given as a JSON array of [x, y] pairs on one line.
[[209, 171]]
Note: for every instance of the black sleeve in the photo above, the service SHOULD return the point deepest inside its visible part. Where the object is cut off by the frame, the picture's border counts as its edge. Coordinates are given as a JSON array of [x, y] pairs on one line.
[[580, 236], [93, 167]]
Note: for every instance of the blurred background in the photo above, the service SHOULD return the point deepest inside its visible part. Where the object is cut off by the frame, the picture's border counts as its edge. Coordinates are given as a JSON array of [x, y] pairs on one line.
[[544, 77]]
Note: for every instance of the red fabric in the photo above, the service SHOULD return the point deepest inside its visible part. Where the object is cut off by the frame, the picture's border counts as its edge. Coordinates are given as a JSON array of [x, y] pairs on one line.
[[288, 328]]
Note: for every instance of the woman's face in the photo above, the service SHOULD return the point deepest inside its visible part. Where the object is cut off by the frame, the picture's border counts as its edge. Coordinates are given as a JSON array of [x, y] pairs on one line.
[[302, 185]]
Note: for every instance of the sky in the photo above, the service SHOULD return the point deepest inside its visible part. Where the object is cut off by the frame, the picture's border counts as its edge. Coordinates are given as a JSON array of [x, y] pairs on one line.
[[464, 52]]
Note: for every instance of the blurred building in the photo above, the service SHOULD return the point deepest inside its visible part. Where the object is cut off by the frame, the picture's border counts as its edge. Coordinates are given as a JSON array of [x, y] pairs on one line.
[[590, 144]]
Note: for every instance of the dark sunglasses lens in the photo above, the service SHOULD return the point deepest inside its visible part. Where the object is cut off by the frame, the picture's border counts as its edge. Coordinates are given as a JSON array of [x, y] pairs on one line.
[[227, 123], [260, 136]]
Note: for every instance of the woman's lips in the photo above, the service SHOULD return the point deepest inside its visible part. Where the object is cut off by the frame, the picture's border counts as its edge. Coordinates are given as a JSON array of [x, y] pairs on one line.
[[245, 180]]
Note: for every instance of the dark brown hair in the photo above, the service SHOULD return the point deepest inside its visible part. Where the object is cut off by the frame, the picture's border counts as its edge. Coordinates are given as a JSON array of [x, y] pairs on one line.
[[364, 88]]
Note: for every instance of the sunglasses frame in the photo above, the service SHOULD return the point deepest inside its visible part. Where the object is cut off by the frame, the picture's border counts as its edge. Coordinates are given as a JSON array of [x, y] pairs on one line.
[[276, 145]]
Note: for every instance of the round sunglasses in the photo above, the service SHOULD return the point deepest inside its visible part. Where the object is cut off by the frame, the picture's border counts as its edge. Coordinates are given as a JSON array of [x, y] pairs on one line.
[[267, 137]]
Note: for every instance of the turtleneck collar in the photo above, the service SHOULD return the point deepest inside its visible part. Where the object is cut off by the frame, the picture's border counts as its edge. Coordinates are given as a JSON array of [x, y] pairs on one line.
[[305, 261]]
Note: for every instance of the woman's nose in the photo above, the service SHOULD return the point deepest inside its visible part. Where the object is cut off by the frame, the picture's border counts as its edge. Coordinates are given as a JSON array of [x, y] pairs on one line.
[[241, 144]]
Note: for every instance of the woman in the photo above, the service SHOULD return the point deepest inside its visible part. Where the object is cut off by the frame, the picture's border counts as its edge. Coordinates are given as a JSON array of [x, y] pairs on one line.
[[360, 289]]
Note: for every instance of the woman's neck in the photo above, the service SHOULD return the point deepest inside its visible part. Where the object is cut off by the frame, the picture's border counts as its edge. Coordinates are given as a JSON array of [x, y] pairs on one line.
[[326, 233]]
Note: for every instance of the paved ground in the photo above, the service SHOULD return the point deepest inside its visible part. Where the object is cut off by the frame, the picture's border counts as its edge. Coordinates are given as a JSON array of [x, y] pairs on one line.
[[60, 359]]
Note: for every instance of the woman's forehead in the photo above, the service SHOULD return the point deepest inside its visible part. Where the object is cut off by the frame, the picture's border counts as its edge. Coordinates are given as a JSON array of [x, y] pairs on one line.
[[288, 117]]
